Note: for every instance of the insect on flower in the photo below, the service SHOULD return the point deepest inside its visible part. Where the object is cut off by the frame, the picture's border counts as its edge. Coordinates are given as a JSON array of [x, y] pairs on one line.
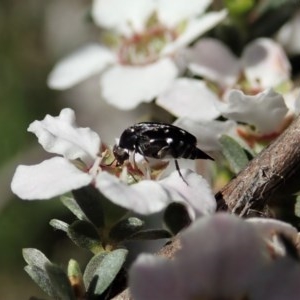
[[158, 140]]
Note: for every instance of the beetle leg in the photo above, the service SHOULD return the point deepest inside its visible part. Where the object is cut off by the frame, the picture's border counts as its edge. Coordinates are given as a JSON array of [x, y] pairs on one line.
[[178, 170]]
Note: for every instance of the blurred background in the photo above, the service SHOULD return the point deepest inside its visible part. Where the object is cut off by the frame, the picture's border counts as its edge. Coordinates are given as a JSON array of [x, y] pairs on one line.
[[34, 35]]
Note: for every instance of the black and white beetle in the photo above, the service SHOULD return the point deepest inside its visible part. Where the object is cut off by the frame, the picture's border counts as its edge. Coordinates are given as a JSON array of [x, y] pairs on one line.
[[158, 140]]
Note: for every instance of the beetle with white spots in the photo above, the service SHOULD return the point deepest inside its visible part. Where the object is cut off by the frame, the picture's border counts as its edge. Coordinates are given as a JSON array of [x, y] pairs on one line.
[[158, 140]]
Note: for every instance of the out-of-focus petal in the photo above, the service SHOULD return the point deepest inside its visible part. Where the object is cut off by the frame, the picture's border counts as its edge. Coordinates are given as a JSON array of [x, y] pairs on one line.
[[265, 63], [269, 227], [180, 10], [208, 133], [229, 246], [269, 284], [194, 29], [51, 178], [213, 250], [289, 35], [189, 98], [125, 87], [157, 271], [197, 195], [85, 62], [125, 17], [61, 135], [213, 60], [265, 110]]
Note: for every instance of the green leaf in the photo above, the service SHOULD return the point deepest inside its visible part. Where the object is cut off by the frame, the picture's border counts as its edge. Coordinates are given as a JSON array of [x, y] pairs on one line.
[[59, 225], [234, 153], [36, 269], [60, 282], [84, 235], [73, 206], [91, 267], [76, 279], [151, 234], [35, 257], [176, 217], [238, 7], [41, 278], [297, 206], [74, 268], [276, 12], [125, 228], [102, 270], [88, 199]]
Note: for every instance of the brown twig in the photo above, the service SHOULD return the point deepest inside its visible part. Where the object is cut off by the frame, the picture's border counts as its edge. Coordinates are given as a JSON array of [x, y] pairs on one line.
[[266, 178]]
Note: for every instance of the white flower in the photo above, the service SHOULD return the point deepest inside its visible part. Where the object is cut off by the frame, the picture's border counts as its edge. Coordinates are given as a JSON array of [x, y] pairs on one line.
[[263, 63], [147, 196], [144, 61], [59, 175], [266, 110], [190, 98], [221, 257], [208, 133], [79, 166], [199, 107]]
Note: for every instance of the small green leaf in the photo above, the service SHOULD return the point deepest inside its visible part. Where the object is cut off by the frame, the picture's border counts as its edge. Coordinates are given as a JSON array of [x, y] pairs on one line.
[[60, 282], [41, 278], [234, 153], [151, 234], [125, 228], [76, 279], [74, 268], [59, 225], [73, 206], [88, 199], [176, 217], [105, 270], [84, 235]]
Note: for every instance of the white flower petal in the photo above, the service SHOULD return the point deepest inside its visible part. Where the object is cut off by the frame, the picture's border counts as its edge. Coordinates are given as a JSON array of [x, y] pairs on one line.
[[60, 135], [85, 62], [144, 197], [126, 87], [208, 133], [213, 60], [52, 177], [265, 63], [189, 98], [194, 29], [265, 110], [269, 227], [292, 100], [126, 17], [179, 10], [197, 195]]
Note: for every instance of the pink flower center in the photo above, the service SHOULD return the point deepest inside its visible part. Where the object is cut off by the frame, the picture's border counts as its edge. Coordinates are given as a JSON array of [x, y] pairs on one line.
[[144, 48]]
